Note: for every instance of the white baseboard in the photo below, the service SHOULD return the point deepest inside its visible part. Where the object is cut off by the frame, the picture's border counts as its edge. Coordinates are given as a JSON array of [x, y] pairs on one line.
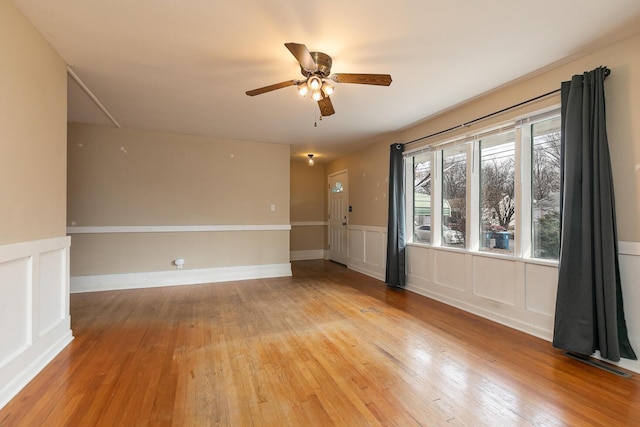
[[156, 279], [31, 362], [307, 255], [371, 271]]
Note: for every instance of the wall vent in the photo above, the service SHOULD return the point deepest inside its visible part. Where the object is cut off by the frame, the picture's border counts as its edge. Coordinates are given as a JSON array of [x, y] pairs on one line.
[[598, 364]]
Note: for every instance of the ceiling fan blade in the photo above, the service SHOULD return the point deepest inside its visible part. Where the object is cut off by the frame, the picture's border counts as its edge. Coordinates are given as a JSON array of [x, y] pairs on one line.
[[303, 56], [261, 90], [326, 107], [363, 79]]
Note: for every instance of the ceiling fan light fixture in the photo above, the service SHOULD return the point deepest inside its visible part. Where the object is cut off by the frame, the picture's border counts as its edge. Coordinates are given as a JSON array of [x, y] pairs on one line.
[[327, 89], [317, 78], [314, 83], [310, 159], [303, 89]]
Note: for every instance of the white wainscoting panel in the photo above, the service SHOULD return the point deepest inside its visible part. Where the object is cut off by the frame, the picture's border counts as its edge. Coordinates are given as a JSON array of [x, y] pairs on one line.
[[15, 307], [541, 283], [630, 272], [494, 279], [35, 324], [375, 248], [368, 250], [449, 270], [488, 286], [356, 245], [52, 302], [420, 263]]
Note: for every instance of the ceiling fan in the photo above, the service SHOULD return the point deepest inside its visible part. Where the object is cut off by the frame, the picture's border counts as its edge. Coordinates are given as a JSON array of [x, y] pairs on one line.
[[316, 69]]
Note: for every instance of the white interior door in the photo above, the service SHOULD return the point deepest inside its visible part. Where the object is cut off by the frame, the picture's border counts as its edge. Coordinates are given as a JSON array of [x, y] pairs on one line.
[[338, 217]]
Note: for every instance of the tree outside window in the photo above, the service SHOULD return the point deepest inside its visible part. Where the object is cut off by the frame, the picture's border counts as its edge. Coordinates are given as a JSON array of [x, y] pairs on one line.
[[454, 196], [545, 188], [497, 192]]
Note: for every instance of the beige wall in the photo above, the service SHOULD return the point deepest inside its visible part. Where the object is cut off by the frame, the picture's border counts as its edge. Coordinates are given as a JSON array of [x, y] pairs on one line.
[[33, 114], [129, 177], [623, 113], [308, 192], [122, 177], [117, 253], [368, 183], [308, 205]]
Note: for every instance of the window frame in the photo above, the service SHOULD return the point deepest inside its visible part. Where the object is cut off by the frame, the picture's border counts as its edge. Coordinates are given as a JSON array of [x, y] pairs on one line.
[[523, 241], [530, 148], [516, 180], [464, 148], [409, 201]]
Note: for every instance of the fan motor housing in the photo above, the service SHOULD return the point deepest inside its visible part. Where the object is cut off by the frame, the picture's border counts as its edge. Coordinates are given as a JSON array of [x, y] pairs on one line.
[[323, 61]]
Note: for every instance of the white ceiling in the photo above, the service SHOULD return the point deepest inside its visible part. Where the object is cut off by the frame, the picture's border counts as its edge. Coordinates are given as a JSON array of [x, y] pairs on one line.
[[184, 66]]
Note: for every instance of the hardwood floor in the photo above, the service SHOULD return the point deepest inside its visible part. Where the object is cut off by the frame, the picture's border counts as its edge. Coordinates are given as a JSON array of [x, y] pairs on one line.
[[326, 347]]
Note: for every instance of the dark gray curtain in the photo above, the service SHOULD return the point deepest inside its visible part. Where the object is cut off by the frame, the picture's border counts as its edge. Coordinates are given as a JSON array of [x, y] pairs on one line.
[[589, 311], [394, 275]]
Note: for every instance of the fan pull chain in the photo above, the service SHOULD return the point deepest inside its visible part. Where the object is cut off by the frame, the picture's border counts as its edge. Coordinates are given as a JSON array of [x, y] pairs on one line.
[[315, 118]]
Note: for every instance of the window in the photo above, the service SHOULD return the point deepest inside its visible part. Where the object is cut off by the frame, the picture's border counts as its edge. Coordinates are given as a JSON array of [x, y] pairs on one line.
[[545, 188], [337, 188], [454, 196], [422, 197], [497, 192]]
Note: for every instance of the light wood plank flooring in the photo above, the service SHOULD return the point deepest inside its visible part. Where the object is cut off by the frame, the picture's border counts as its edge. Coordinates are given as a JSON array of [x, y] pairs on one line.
[[326, 347]]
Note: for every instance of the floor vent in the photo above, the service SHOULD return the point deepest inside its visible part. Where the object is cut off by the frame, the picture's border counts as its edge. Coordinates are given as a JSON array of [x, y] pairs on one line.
[[598, 364]]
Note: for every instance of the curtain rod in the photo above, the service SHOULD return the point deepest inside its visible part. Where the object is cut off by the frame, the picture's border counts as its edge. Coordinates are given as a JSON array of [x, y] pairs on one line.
[[607, 72]]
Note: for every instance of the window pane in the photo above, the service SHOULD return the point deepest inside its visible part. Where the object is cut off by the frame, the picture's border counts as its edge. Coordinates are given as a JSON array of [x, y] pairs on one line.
[[545, 188], [454, 196], [422, 198], [497, 193]]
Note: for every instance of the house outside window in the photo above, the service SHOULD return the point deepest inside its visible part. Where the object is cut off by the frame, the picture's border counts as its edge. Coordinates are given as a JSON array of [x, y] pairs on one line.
[[422, 197]]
